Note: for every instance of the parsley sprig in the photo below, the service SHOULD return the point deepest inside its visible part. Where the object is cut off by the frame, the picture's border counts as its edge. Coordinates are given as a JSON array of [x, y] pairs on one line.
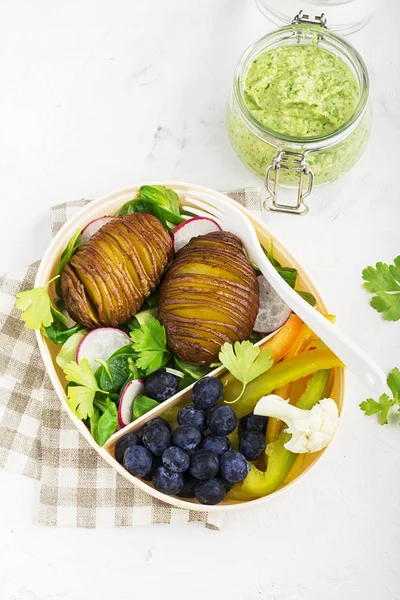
[[245, 361], [383, 281], [383, 405], [150, 343]]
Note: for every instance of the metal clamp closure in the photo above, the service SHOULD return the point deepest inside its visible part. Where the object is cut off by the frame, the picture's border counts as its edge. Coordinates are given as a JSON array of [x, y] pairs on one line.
[[300, 165], [317, 20]]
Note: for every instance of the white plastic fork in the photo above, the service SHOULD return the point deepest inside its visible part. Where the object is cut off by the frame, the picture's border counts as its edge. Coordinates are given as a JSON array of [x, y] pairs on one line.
[[234, 220]]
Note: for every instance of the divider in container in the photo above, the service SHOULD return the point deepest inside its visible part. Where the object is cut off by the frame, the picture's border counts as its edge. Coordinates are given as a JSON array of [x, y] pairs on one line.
[[176, 400]]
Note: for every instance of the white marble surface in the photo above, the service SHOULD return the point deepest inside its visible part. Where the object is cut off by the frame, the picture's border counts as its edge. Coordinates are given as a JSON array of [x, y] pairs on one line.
[[96, 95]]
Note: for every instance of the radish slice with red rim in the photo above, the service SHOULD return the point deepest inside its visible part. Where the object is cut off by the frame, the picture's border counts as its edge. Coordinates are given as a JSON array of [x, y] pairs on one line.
[[125, 409], [273, 312], [183, 233], [101, 343], [92, 227]]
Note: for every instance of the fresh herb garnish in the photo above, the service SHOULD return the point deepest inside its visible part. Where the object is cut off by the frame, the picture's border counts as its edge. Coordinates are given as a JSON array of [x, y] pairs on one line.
[[37, 309], [80, 397], [384, 282], [150, 343], [384, 404], [245, 362]]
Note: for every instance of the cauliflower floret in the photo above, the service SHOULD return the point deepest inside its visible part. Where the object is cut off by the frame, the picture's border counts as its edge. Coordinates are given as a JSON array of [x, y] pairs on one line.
[[311, 430]]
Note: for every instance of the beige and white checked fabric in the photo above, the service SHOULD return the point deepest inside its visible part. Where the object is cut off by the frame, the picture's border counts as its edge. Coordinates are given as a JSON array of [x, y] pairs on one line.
[[38, 439]]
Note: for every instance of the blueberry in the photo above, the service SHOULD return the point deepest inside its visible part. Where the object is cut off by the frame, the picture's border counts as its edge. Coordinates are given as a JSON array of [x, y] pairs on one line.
[[252, 422], [186, 438], [130, 439], [176, 459], [189, 483], [204, 464], [252, 445], [217, 443], [157, 462], [222, 420], [138, 461], [207, 392], [160, 420], [227, 484], [192, 417], [233, 466], [210, 492], [161, 385], [167, 481], [156, 437]]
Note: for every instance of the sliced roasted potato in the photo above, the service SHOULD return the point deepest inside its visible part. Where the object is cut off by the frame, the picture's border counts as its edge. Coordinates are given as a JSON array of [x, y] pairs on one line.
[[109, 277], [209, 296]]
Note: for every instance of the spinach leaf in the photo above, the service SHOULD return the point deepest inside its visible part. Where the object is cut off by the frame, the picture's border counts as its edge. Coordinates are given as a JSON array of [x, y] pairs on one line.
[[194, 371], [307, 297], [147, 206], [107, 424], [289, 274], [94, 422], [142, 404], [59, 333], [118, 370], [67, 254], [153, 299], [164, 197]]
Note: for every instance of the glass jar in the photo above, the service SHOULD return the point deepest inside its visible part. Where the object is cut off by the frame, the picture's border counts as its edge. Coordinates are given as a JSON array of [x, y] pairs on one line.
[[298, 161]]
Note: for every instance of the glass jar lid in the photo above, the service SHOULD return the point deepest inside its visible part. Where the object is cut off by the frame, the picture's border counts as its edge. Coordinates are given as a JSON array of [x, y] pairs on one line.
[[343, 16]]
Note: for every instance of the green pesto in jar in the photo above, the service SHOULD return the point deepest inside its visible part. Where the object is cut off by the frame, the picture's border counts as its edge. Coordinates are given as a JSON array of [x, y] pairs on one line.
[[300, 90]]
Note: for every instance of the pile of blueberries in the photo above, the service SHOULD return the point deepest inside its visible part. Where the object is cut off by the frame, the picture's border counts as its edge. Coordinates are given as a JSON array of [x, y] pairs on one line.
[[196, 460]]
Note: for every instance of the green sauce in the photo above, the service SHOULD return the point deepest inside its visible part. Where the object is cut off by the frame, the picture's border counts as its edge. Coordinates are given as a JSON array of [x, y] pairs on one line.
[[302, 91]]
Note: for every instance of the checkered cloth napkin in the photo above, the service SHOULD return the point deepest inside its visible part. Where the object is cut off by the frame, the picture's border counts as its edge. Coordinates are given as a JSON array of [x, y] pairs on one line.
[[38, 439]]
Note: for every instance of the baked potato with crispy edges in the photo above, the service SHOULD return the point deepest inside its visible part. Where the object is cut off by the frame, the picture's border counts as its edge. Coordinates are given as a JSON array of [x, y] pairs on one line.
[[209, 296], [107, 280]]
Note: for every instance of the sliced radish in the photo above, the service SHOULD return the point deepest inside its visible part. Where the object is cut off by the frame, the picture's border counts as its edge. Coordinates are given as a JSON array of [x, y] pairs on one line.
[[92, 227], [101, 343], [183, 233], [129, 393], [272, 312]]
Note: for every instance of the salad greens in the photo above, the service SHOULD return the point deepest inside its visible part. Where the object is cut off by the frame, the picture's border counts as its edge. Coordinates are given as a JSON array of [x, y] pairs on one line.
[[150, 343], [68, 350], [245, 362], [106, 424], [289, 274], [383, 281], [142, 404], [383, 405], [80, 397], [162, 196]]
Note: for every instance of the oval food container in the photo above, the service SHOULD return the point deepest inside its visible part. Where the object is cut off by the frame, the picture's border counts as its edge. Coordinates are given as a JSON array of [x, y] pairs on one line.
[[110, 205]]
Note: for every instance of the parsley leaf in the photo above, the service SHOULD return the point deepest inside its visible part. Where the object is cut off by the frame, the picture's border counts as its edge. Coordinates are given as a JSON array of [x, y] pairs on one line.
[[245, 361], [384, 404], [393, 381], [384, 282], [36, 307], [372, 407], [80, 397], [150, 343]]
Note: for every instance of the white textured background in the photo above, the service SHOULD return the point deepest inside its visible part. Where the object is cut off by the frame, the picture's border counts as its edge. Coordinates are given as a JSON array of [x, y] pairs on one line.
[[96, 95]]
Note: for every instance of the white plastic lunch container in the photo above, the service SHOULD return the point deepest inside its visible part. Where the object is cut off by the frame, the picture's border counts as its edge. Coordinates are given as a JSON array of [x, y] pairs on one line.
[[109, 205]]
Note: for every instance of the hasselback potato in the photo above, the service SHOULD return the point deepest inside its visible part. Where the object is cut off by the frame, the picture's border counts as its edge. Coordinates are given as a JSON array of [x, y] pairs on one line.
[[108, 278], [209, 296]]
